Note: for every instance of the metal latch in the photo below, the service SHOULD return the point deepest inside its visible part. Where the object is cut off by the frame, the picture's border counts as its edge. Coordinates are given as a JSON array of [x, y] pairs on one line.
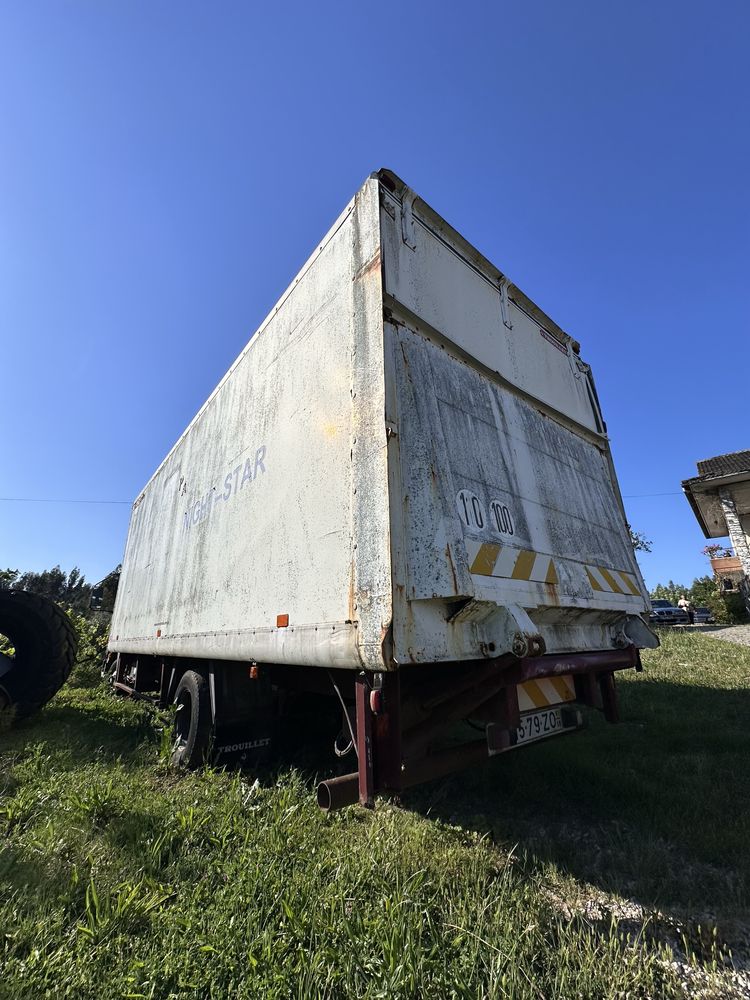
[[504, 305], [575, 364], [407, 218]]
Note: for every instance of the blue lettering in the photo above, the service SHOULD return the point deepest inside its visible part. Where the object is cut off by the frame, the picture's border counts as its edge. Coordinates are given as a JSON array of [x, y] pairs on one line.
[[201, 509]]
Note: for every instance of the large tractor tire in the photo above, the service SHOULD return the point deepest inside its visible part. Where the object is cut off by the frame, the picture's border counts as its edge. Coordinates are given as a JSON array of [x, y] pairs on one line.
[[45, 645]]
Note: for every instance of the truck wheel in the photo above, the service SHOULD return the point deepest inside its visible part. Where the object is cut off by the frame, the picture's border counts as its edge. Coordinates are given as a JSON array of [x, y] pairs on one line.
[[45, 645], [193, 723]]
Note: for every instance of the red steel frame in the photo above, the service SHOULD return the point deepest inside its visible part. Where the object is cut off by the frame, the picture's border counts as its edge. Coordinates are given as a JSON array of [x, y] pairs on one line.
[[401, 714]]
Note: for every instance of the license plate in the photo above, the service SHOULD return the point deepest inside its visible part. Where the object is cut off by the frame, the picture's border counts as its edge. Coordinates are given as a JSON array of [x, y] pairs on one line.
[[538, 725], [535, 725]]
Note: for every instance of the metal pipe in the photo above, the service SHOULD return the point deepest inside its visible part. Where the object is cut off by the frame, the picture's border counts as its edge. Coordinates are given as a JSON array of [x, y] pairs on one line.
[[338, 792], [574, 663]]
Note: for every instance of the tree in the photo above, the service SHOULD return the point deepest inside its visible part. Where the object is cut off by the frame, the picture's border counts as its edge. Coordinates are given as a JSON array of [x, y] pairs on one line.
[[104, 593], [8, 577], [716, 551], [703, 591], [639, 541], [671, 592], [68, 589]]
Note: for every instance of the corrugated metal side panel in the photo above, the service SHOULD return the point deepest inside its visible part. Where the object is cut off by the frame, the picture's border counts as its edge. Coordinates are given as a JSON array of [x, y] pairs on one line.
[[250, 516]]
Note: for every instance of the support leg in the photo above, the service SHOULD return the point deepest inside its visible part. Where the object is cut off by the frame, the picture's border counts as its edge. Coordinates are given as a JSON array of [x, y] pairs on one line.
[[387, 732], [609, 697], [364, 742]]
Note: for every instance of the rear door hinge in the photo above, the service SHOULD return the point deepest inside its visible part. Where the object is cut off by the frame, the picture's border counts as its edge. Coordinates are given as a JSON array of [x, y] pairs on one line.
[[407, 218], [505, 305]]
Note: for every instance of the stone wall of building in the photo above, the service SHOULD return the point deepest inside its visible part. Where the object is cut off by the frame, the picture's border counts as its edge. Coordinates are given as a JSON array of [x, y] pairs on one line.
[[738, 539]]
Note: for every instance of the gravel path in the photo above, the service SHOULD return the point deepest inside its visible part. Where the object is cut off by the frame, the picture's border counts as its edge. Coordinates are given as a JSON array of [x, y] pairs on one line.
[[730, 633]]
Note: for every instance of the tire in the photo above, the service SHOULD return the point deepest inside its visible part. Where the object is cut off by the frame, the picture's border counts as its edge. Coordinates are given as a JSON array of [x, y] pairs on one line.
[[193, 725], [45, 645]]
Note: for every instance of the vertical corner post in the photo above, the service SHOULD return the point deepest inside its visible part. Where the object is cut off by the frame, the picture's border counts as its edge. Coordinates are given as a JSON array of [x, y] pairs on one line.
[[387, 734], [588, 692], [610, 703]]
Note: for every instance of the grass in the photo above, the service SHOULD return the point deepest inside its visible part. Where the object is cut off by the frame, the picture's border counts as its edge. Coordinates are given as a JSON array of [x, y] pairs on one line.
[[119, 878], [657, 807]]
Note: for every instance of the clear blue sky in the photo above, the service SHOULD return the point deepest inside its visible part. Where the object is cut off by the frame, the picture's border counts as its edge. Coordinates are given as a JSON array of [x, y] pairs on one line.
[[165, 168]]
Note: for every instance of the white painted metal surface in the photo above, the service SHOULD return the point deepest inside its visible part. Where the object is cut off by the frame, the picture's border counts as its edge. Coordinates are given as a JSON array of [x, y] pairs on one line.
[[407, 459]]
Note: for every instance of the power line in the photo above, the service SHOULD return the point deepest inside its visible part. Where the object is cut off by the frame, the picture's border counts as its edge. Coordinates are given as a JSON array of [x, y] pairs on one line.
[[53, 500], [635, 496]]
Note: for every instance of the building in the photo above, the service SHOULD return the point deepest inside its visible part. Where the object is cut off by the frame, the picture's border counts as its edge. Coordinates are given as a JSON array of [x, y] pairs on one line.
[[720, 498]]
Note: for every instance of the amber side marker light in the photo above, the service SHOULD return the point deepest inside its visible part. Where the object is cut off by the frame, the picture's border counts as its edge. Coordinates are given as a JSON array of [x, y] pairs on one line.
[[282, 621]]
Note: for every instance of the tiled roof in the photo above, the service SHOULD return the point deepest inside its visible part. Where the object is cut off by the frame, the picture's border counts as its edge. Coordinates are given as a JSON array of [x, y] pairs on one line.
[[725, 465]]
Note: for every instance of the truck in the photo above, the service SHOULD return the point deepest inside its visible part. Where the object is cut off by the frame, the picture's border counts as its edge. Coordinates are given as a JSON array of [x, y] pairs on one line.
[[400, 496]]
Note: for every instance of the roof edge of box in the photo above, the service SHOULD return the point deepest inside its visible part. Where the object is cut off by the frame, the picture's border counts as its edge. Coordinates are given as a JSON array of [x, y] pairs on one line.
[[397, 186]]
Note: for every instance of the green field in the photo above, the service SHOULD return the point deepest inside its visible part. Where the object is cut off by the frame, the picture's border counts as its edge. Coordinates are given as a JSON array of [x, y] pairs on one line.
[[612, 863]]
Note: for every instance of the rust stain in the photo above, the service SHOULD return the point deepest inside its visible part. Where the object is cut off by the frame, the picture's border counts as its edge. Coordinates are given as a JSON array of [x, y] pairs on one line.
[[372, 265], [351, 592]]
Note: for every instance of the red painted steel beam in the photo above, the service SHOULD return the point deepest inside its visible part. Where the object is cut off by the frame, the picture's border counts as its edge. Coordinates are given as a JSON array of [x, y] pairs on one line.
[[364, 742], [387, 733], [573, 663]]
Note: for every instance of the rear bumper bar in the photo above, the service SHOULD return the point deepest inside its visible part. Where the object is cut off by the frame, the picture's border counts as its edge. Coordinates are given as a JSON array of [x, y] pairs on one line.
[[399, 722]]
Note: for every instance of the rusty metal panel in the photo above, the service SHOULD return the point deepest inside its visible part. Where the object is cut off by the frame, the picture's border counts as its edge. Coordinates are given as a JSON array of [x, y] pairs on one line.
[[260, 511], [509, 532]]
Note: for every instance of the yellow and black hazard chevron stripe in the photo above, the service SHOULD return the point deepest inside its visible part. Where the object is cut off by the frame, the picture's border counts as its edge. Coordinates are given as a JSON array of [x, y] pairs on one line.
[[491, 559], [611, 581], [545, 691]]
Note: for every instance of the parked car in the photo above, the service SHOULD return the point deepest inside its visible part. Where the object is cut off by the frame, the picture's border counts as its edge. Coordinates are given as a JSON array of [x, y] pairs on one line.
[[704, 616], [664, 613]]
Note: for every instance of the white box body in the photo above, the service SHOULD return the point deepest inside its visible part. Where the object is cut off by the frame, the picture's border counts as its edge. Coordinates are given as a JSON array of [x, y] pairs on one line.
[[407, 460]]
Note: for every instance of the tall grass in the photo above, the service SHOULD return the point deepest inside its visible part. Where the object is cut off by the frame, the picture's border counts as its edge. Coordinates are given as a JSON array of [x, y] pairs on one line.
[[119, 878]]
